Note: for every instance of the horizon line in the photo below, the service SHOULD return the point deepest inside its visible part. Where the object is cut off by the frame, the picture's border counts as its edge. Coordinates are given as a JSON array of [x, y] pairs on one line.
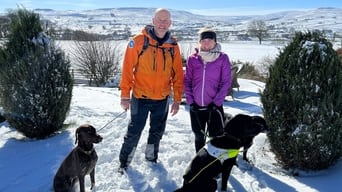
[[240, 11]]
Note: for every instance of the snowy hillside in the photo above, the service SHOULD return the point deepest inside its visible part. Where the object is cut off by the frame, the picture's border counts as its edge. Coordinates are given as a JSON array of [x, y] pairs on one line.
[[114, 19]]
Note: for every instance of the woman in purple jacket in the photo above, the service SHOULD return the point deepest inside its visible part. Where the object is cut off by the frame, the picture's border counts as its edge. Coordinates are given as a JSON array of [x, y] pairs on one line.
[[207, 80]]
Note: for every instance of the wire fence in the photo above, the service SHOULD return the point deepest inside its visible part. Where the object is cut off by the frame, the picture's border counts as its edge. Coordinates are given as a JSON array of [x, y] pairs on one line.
[[78, 77]]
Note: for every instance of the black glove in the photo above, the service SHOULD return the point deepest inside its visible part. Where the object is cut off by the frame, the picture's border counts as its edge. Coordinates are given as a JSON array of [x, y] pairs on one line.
[[194, 107], [212, 107]]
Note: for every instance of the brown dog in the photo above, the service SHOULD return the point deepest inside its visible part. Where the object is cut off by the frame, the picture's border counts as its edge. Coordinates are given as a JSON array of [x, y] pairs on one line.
[[80, 161]]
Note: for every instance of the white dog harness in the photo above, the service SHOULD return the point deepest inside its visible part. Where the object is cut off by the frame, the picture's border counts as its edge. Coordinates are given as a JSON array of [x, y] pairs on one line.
[[221, 154]]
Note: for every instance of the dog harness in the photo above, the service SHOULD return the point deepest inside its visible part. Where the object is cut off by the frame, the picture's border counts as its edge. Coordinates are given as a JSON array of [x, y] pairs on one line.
[[218, 154], [221, 154]]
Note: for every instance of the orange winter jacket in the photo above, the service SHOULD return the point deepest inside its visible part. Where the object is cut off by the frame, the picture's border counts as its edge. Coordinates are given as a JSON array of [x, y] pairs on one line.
[[154, 74]]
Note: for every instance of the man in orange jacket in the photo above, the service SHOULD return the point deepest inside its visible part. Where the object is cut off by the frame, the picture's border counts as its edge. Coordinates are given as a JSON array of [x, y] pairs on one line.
[[150, 76]]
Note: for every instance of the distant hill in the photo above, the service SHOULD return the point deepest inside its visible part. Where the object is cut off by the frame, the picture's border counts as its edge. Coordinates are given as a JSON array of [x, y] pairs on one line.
[[121, 20]]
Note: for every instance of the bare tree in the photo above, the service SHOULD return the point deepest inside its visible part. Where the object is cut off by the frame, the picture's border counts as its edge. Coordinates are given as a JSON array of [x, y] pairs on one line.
[[258, 28], [96, 60]]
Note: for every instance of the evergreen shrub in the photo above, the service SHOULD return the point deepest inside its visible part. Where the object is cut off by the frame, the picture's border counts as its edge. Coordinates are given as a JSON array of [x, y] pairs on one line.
[[302, 103], [36, 86]]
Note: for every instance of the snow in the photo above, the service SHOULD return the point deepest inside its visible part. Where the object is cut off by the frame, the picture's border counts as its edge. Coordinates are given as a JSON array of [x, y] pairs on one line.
[[29, 165]]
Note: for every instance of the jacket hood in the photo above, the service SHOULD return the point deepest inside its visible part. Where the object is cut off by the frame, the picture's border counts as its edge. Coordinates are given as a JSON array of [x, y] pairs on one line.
[[148, 30]]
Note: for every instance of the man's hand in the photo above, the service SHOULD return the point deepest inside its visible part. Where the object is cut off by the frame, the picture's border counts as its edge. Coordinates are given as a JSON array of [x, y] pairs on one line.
[[125, 104], [174, 108]]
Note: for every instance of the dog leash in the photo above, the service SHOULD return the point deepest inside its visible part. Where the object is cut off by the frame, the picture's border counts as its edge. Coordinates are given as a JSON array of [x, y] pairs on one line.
[[231, 153], [111, 120]]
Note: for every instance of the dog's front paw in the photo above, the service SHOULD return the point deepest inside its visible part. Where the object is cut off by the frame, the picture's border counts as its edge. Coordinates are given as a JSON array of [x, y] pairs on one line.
[[225, 190], [92, 186], [246, 159]]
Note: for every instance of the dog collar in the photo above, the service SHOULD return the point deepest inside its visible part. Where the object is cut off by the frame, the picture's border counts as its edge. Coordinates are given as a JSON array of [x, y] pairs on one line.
[[84, 151], [221, 154]]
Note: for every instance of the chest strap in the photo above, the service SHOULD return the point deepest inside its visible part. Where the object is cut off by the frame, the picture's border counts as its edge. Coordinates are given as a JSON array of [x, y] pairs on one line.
[[221, 154]]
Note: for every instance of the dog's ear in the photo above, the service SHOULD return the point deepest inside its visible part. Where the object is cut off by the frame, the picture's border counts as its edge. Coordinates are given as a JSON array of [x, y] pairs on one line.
[[227, 118], [76, 134]]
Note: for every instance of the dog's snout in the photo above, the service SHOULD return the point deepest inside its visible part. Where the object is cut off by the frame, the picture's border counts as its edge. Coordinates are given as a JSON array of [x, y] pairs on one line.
[[96, 138], [99, 138], [265, 129]]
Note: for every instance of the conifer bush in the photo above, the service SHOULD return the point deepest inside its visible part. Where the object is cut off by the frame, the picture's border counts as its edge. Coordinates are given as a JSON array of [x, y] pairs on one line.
[[36, 86], [2, 118], [302, 104]]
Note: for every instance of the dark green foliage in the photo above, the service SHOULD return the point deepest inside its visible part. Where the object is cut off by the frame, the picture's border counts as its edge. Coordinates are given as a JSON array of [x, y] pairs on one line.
[[4, 26], [302, 104], [36, 86], [2, 118]]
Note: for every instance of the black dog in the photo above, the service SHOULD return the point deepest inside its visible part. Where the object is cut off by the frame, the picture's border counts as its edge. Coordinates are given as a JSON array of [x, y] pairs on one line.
[[80, 161], [248, 139], [220, 153]]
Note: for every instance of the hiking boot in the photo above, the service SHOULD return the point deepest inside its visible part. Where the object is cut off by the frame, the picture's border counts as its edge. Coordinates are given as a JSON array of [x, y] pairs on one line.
[[122, 168], [153, 161], [123, 165]]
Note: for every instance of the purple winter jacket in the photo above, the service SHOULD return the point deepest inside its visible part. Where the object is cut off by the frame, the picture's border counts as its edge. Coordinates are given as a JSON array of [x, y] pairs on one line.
[[207, 83]]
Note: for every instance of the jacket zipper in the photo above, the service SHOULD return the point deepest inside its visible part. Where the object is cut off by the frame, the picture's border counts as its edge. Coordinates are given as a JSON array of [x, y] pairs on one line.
[[154, 65], [203, 82]]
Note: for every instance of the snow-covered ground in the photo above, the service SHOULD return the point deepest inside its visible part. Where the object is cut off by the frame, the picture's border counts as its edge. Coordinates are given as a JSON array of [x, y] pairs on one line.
[[29, 165]]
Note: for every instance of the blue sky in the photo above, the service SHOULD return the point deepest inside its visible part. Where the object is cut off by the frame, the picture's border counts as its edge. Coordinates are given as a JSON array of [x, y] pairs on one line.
[[207, 7]]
